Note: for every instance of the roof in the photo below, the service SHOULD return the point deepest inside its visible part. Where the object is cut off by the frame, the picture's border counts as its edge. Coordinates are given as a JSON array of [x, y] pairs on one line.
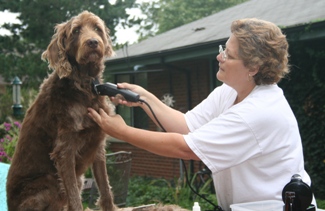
[[284, 13]]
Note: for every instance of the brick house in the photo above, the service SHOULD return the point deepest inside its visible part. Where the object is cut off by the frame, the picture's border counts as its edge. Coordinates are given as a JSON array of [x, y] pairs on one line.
[[182, 63]]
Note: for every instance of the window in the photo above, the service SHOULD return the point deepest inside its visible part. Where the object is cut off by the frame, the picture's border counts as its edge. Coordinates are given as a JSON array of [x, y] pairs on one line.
[[133, 116]]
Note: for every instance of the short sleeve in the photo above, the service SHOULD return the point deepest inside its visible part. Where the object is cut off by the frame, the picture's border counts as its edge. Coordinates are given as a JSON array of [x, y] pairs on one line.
[[223, 142], [219, 100]]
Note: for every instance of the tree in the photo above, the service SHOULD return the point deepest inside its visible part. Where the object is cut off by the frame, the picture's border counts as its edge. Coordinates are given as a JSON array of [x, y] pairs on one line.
[[21, 52], [164, 15], [304, 88], [38, 17]]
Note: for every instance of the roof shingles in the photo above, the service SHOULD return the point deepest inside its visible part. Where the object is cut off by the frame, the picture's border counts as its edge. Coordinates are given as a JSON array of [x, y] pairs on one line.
[[284, 13]]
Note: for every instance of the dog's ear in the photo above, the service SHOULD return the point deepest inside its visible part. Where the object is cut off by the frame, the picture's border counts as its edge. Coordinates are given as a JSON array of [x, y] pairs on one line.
[[55, 53], [109, 47]]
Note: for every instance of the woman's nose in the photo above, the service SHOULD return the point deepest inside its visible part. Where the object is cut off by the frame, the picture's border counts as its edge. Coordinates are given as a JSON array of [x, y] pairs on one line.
[[218, 57]]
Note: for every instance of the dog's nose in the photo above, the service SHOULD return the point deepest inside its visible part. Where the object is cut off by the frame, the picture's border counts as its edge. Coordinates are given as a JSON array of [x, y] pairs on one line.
[[93, 43]]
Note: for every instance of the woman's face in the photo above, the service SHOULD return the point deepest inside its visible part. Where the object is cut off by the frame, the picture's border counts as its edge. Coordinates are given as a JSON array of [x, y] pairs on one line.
[[232, 71]]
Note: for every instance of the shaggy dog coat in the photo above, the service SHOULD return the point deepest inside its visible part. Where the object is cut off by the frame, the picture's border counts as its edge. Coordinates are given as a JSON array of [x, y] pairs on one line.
[[58, 141]]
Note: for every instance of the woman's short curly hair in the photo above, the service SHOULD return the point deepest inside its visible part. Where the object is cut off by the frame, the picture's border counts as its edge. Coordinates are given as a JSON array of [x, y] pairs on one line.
[[262, 44]]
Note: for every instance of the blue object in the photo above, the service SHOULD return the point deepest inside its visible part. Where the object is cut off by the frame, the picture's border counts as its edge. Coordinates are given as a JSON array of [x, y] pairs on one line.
[[4, 167]]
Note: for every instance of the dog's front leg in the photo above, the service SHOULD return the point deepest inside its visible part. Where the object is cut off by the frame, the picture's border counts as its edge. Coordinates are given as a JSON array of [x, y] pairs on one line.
[[106, 200], [64, 155]]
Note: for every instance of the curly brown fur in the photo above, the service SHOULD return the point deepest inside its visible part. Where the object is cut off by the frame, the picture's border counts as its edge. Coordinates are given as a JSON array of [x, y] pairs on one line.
[[58, 141]]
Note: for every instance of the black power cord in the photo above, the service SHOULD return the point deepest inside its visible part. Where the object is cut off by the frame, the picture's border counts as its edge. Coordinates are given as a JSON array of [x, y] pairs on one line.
[[216, 207]]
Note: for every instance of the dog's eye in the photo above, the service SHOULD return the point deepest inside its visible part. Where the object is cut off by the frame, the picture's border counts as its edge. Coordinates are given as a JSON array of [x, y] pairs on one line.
[[97, 29], [76, 31]]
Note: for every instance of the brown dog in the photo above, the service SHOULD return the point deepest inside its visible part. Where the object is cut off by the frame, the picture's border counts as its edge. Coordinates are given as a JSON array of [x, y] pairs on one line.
[[58, 141]]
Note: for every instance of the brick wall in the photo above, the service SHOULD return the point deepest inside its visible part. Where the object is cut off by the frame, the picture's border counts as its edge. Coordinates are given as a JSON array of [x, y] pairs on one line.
[[148, 164]]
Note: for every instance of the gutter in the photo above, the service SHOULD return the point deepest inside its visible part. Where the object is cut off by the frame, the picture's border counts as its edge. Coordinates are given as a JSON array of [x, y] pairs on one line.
[[308, 31]]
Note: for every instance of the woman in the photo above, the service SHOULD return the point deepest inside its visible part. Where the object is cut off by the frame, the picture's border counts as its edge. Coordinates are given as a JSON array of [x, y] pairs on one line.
[[244, 131]]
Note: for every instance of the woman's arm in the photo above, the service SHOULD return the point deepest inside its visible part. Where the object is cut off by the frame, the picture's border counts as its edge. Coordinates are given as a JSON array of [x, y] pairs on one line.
[[172, 120], [160, 143]]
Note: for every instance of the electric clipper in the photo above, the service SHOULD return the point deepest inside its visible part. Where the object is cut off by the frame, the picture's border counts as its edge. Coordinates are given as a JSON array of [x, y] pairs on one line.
[[112, 90]]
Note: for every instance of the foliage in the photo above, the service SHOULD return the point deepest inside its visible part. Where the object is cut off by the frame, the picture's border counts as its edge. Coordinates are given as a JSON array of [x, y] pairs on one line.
[[5, 106], [29, 67], [144, 190], [27, 97], [305, 91], [20, 54], [320, 204], [39, 17], [164, 15], [8, 139]]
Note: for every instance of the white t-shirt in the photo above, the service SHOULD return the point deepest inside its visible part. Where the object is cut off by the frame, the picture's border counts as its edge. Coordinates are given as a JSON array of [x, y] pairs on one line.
[[252, 148]]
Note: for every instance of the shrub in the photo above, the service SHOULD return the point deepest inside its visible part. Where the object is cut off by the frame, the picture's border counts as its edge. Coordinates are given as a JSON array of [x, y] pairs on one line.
[[304, 88], [145, 190], [8, 139]]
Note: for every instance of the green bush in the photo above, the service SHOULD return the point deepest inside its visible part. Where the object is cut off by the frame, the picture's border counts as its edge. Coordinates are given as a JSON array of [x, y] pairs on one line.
[[145, 190], [5, 105], [305, 91], [320, 203], [28, 95]]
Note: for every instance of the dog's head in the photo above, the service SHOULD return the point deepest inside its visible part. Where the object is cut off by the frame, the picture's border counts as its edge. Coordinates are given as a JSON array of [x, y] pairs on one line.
[[84, 38]]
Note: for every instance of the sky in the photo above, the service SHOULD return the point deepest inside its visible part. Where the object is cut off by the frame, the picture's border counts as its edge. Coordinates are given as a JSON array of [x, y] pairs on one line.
[[123, 35], [7, 17]]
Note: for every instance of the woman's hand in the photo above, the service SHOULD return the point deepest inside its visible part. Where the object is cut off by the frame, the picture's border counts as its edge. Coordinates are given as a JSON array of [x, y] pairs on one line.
[[134, 88], [111, 125]]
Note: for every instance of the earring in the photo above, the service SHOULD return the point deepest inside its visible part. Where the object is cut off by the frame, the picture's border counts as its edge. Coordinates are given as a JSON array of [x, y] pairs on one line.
[[249, 77]]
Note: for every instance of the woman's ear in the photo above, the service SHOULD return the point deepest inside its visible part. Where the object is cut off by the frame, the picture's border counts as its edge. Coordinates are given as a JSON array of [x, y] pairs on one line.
[[254, 70], [55, 53]]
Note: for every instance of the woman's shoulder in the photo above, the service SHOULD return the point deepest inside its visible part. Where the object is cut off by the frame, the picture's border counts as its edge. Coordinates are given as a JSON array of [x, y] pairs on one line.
[[223, 92], [225, 88], [272, 90], [265, 102]]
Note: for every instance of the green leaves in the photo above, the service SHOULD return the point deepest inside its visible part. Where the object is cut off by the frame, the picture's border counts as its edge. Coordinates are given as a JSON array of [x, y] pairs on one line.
[[305, 91], [144, 190], [39, 17], [21, 52]]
